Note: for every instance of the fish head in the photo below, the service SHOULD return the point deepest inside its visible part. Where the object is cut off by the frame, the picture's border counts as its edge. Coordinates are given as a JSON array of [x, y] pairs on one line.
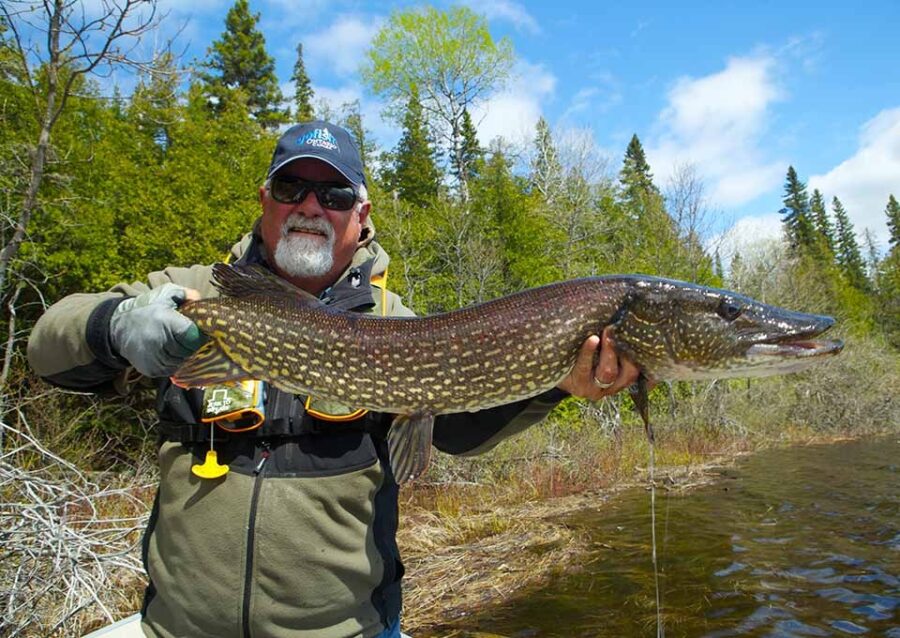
[[679, 331]]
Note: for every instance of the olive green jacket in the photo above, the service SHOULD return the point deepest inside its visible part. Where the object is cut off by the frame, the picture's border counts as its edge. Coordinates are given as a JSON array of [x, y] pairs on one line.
[[298, 538]]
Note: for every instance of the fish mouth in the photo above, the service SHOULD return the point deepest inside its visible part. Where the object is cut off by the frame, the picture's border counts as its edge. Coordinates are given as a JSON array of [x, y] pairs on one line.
[[798, 348], [802, 342]]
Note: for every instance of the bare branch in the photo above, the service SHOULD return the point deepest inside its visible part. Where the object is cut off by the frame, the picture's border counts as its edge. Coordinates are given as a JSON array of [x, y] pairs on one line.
[[70, 539], [57, 19]]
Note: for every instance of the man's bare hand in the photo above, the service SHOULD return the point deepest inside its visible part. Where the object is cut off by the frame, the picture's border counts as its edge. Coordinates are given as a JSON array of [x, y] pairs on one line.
[[611, 374]]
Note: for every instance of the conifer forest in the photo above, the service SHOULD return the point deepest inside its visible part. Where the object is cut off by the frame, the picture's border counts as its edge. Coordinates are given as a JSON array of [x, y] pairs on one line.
[[100, 185]]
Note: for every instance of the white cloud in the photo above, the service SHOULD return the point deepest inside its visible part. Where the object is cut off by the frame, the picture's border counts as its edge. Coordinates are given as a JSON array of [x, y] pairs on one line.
[[342, 46], [600, 97], [514, 112], [581, 101], [746, 235], [506, 10], [864, 181], [716, 123]]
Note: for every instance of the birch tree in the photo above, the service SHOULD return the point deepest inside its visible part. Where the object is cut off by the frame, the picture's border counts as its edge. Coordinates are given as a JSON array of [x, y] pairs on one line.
[[451, 59]]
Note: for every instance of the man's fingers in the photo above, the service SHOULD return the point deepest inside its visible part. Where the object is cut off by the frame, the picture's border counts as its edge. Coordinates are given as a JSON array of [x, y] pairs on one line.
[[190, 294], [585, 362], [628, 374], [607, 369]]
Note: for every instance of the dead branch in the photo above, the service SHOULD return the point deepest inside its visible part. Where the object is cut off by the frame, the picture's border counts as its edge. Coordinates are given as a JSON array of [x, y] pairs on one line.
[[70, 539]]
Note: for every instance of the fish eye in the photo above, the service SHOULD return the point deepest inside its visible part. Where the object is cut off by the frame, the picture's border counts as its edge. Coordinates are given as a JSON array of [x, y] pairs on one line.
[[728, 310]]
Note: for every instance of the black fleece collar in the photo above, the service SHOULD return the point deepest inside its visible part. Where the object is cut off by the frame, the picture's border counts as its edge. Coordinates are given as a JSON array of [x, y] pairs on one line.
[[353, 291]]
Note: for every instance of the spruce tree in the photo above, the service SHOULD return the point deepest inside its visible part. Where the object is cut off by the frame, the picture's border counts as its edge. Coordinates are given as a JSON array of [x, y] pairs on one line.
[[351, 119], [465, 163], [821, 221], [848, 255], [501, 202], [649, 237], [635, 176], [718, 269], [893, 214], [303, 93], [238, 60], [154, 104], [889, 276], [798, 226], [415, 175], [546, 170]]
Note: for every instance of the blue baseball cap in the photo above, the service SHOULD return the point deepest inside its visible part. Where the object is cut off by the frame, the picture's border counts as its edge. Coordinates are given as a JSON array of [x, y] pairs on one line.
[[323, 141]]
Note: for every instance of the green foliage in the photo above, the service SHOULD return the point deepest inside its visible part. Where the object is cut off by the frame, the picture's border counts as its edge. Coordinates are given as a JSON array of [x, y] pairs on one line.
[[822, 223], [450, 58], [154, 105], [132, 205], [892, 210], [351, 119], [546, 170], [303, 93], [523, 234], [796, 218], [415, 175], [650, 238], [888, 277], [635, 177], [238, 61], [889, 297], [848, 255], [466, 162], [442, 53]]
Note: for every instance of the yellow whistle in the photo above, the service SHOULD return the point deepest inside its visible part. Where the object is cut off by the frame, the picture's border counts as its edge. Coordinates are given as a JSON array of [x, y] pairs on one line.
[[210, 468]]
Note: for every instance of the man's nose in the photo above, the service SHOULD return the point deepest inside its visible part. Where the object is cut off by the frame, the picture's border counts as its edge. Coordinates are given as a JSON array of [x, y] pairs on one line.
[[310, 205]]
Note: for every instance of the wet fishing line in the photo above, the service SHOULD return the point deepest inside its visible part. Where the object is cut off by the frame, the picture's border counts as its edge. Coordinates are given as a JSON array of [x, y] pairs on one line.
[[639, 392], [660, 631]]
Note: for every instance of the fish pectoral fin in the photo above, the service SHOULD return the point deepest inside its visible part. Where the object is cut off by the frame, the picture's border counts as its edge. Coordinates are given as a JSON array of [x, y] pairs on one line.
[[409, 443], [253, 280], [208, 366], [639, 394]]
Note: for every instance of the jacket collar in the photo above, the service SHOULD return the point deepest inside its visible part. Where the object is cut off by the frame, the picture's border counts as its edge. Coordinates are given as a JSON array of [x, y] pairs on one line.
[[352, 290]]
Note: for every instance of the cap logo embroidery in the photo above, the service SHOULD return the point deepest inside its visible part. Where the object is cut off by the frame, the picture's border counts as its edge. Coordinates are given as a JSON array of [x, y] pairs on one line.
[[320, 137]]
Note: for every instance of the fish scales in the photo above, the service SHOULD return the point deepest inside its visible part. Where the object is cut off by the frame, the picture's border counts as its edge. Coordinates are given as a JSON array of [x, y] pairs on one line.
[[493, 353], [478, 357]]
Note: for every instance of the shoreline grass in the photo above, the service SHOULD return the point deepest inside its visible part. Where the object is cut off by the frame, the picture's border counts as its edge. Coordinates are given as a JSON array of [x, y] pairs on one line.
[[472, 530]]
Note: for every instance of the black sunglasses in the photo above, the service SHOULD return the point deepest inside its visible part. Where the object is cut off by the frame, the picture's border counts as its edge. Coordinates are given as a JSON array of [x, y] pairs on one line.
[[292, 190]]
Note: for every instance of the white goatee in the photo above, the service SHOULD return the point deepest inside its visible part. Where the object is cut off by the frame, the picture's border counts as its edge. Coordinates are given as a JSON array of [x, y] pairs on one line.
[[301, 256]]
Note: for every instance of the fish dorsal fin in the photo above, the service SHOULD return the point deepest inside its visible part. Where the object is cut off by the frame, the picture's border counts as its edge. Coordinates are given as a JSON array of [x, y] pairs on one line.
[[409, 444], [235, 280], [208, 366]]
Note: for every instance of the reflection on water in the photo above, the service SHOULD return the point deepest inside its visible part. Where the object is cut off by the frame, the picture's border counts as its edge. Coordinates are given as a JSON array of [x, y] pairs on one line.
[[795, 542]]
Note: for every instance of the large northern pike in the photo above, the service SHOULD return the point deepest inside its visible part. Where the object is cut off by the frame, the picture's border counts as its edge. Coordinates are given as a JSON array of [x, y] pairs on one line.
[[485, 355]]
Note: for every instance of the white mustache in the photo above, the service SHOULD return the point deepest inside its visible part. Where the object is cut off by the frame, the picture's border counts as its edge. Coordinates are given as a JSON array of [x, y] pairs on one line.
[[314, 224]]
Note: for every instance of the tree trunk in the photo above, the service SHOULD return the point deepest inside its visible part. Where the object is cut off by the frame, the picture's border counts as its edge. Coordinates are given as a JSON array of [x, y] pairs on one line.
[[38, 160]]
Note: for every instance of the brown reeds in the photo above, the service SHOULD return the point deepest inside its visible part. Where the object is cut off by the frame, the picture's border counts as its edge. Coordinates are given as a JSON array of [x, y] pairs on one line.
[[475, 530]]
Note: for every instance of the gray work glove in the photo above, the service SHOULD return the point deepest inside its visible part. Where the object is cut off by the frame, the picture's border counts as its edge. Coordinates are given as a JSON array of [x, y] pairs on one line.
[[151, 334]]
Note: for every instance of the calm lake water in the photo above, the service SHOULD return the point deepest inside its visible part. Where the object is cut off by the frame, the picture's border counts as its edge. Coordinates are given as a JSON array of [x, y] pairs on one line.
[[796, 542]]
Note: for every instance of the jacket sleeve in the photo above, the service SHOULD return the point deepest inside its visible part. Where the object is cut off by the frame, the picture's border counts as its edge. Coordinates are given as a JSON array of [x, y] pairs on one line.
[[69, 345], [471, 433]]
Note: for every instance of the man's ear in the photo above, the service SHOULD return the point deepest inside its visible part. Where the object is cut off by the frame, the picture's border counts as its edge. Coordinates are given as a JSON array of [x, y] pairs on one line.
[[262, 193], [364, 209]]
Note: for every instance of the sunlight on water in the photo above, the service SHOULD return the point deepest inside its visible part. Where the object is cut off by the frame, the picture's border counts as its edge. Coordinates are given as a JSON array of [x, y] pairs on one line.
[[795, 542]]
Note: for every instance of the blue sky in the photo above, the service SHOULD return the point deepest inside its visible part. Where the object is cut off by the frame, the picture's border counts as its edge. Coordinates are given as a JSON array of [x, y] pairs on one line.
[[739, 90]]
